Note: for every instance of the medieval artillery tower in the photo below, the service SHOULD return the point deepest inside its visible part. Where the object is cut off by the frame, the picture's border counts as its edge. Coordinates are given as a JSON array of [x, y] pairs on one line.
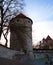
[[21, 34]]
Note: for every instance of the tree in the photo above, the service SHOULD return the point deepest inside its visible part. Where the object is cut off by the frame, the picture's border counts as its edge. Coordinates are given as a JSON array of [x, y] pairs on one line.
[[10, 8]]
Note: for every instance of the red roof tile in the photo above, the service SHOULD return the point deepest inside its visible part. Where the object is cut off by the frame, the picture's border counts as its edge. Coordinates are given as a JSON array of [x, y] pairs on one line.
[[21, 15], [48, 38]]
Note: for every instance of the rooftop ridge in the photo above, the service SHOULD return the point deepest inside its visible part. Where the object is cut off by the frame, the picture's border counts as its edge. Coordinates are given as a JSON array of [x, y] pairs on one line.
[[48, 38]]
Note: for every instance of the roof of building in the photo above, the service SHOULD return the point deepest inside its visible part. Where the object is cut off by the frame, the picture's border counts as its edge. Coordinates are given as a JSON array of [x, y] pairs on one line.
[[21, 15], [43, 39], [48, 38]]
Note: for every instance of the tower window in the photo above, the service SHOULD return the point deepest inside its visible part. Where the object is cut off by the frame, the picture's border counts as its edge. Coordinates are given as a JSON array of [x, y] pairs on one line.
[[29, 21]]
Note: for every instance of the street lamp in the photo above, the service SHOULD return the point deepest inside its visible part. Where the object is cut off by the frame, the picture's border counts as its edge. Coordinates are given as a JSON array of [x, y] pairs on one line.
[[1, 17]]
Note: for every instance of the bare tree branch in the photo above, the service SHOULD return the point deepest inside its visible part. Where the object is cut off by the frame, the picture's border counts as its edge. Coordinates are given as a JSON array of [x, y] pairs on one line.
[[5, 36], [10, 9], [7, 7], [5, 39]]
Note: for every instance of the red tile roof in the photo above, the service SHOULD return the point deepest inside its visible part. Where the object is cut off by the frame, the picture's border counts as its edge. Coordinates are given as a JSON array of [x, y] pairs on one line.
[[21, 15], [48, 38]]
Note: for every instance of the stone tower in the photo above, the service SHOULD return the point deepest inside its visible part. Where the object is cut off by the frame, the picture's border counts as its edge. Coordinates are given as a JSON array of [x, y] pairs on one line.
[[21, 34]]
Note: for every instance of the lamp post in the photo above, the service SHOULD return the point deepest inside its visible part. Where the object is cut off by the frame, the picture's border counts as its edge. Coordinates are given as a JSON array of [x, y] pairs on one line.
[[1, 17]]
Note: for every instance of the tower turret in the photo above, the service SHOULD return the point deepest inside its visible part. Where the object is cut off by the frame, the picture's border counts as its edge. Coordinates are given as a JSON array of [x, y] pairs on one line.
[[21, 34]]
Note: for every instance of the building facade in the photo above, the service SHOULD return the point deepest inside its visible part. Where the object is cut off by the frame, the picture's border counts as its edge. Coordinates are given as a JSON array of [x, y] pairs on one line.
[[45, 43]]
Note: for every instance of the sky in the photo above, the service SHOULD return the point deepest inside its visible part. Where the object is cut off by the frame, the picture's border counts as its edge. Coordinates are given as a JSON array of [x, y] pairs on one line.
[[41, 12]]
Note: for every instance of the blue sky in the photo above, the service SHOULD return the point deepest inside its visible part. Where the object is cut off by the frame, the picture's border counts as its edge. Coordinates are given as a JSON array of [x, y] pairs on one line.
[[39, 9], [41, 12]]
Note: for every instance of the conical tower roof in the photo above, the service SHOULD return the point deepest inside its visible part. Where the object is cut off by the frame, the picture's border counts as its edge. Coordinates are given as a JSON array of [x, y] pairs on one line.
[[21, 15]]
